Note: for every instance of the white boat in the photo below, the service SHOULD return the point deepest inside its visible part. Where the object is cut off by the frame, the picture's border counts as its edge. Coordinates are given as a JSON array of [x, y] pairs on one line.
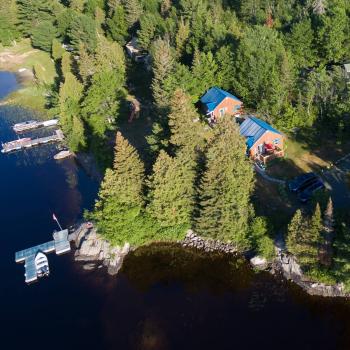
[[63, 154], [33, 124], [41, 265], [50, 122]]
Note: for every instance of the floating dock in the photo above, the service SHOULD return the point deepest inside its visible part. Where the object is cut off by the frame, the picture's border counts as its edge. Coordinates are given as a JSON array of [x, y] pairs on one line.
[[33, 124], [60, 245], [19, 144]]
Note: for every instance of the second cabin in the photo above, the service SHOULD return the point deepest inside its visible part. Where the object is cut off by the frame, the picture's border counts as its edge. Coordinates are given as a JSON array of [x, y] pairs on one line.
[[263, 142], [216, 102]]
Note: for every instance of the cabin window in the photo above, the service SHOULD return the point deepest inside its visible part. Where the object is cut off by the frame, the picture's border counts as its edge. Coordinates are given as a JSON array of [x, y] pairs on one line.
[[276, 141], [222, 112], [236, 108]]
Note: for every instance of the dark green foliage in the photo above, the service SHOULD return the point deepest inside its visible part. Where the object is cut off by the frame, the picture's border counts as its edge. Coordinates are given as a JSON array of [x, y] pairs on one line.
[[117, 26], [261, 241], [33, 12], [8, 22], [83, 30], [172, 190], [263, 70], [163, 63], [301, 42], [57, 50], [43, 35], [225, 188], [185, 125], [304, 239], [101, 104]]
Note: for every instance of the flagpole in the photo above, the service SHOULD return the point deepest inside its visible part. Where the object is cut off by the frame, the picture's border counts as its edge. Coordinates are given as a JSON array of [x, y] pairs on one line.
[[55, 218]]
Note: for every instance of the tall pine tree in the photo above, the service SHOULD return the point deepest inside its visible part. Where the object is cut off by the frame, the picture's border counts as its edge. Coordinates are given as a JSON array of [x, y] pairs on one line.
[[120, 199], [172, 190], [226, 187]]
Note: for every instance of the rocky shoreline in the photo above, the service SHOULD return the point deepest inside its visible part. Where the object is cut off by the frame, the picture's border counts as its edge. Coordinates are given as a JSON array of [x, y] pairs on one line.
[[95, 252], [288, 266]]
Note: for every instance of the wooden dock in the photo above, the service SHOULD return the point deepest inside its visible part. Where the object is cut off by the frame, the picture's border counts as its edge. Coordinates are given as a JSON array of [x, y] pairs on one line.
[[28, 142], [60, 245]]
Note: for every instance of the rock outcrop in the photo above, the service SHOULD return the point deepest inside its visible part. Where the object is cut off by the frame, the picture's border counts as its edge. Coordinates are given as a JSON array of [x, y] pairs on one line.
[[289, 267], [94, 250], [208, 245]]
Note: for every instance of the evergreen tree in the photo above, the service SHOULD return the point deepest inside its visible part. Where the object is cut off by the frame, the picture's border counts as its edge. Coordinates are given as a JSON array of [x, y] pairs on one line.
[[43, 35], [77, 5], [117, 26], [120, 197], [260, 79], [172, 190], [326, 251], [83, 30], [32, 12], [296, 226], [101, 103], [57, 50], [110, 56], [225, 74], [304, 239], [301, 43], [145, 35], [66, 63], [225, 188], [204, 70], [8, 21], [181, 36], [133, 11], [185, 125], [86, 63], [332, 34], [70, 94], [163, 64]]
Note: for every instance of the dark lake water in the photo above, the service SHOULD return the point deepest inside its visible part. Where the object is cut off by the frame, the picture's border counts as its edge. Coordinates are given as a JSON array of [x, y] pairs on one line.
[[165, 298]]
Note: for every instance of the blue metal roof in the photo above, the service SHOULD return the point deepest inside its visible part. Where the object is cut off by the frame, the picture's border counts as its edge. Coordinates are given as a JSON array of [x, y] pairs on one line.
[[253, 128], [214, 96]]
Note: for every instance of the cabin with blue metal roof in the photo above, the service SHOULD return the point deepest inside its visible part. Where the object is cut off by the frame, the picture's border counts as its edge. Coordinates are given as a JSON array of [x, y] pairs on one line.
[[216, 103], [264, 142]]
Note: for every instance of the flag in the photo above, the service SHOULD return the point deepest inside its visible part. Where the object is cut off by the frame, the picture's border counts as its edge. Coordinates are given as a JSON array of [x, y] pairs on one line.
[[54, 217]]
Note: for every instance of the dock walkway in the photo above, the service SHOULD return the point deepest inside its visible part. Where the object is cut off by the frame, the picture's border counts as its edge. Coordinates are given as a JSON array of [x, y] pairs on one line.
[[60, 245], [28, 143]]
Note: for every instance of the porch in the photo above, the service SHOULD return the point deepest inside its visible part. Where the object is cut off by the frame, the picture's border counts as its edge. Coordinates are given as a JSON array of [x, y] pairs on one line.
[[269, 153]]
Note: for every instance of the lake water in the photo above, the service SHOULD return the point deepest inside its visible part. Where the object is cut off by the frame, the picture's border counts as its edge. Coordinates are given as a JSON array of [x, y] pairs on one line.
[[165, 298]]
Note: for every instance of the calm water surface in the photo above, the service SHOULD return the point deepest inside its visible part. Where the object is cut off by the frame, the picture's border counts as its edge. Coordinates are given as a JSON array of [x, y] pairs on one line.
[[163, 299]]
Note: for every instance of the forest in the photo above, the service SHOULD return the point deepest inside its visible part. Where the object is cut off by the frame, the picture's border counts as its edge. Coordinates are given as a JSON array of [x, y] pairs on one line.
[[283, 58]]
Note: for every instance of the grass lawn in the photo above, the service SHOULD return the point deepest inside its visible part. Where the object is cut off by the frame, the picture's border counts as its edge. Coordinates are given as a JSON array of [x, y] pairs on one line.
[[310, 151], [23, 56]]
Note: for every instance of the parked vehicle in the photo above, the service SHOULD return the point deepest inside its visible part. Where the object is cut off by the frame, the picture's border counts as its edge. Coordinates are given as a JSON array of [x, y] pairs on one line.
[[305, 195], [301, 182]]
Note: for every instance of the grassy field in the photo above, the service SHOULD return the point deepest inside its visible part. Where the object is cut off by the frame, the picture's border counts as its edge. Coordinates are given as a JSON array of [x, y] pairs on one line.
[[36, 71]]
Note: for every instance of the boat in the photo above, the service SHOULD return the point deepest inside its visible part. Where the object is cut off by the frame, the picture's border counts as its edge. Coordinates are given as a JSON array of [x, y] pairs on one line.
[[24, 125], [41, 265], [63, 154], [33, 124]]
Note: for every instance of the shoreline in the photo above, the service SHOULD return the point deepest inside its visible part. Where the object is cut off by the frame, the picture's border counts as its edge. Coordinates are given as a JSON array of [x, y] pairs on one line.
[[94, 252]]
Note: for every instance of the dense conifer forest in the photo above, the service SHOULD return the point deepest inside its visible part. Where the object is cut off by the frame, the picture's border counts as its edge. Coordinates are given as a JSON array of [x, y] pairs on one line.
[[283, 58]]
